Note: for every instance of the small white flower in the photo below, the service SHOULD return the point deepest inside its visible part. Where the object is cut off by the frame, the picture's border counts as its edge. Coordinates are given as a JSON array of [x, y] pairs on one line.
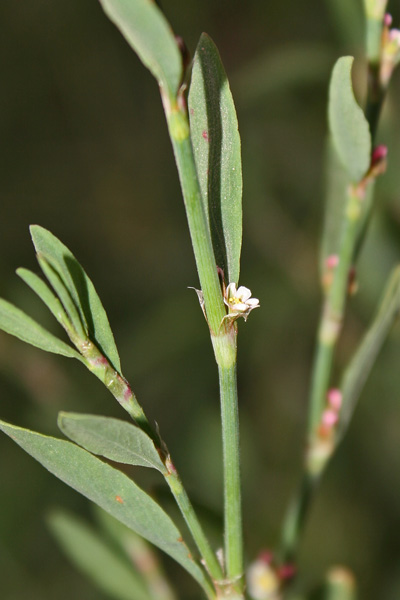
[[239, 301]]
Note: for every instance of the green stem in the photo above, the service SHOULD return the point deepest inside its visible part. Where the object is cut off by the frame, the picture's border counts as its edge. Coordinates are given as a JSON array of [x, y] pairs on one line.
[[178, 125], [296, 517], [332, 314], [122, 392], [182, 499], [232, 500], [330, 326]]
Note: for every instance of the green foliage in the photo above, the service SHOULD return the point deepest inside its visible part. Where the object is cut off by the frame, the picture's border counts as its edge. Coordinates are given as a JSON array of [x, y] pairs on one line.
[[348, 125], [45, 294], [112, 438], [216, 146], [17, 323], [110, 489], [86, 549], [76, 291], [145, 28], [364, 359]]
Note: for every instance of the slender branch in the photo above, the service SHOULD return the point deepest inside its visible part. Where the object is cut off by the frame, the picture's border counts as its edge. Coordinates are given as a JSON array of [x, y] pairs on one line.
[[332, 314], [178, 126], [296, 517], [320, 450], [182, 499], [232, 504]]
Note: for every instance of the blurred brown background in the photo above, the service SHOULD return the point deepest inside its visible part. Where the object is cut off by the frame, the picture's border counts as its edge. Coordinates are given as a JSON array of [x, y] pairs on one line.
[[85, 153]]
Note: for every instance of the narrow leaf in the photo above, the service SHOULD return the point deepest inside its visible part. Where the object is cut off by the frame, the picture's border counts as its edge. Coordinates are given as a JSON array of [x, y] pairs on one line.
[[347, 122], [110, 489], [45, 294], [114, 439], [108, 571], [81, 290], [361, 364], [147, 31], [17, 323], [55, 279], [216, 145]]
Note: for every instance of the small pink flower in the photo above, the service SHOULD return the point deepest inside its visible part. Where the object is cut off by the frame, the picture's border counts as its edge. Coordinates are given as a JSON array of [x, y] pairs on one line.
[[335, 399], [329, 418]]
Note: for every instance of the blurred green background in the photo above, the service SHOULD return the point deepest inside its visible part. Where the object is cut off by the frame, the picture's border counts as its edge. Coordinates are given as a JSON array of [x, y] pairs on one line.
[[85, 153]]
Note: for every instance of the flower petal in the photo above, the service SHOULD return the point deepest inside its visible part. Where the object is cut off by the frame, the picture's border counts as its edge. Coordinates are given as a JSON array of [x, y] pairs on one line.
[[253, 302], [243, 293], [239, 307]]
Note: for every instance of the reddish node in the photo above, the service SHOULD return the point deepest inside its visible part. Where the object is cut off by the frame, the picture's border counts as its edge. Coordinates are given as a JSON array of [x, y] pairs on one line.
[[287, 571], [379, 153]]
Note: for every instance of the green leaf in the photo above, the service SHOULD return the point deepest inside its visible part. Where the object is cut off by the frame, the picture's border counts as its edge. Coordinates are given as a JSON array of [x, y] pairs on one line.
[[17, 323], [45, 294], [216, 145], [347, 122], [84, 547], [336, 183], [361, 364], [114, 439], [110, 489], [55, 279], [81, 289], [147, 31]]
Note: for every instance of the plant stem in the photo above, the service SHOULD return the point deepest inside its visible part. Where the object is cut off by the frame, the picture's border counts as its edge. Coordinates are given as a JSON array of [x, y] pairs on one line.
[[329, 329], [295, 518], [178, 126], [223, 336], [182, 499], [375, 90], [232, 500], [332, 314]]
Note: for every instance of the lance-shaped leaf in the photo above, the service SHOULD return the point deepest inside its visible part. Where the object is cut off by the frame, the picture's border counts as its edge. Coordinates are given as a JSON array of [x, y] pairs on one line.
[[45, 294], [114, 439], [216, 145], [81, 290], [361, 364], [54, 277], [110, 489], [86, 549], [348, 126], [15, 322], [147, 31]]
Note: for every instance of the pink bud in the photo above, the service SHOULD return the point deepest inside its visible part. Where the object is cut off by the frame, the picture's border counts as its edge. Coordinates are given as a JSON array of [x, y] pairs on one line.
[[379, 153], [332, 261], [287, 571], [387, 20], [266, 557], [329, 418], [335, 399], [394, 36]]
